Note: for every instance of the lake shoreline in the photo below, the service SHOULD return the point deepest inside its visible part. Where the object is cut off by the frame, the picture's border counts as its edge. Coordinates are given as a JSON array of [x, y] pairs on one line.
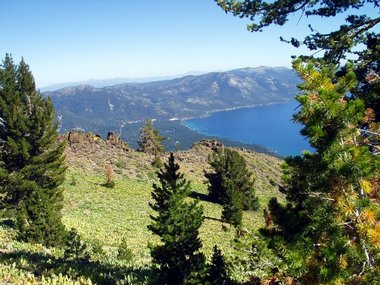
[[210, 113], [268, 125]]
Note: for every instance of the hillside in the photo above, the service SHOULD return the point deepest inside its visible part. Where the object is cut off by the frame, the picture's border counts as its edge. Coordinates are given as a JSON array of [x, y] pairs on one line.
[[90, 153], [123, 211], [104, 216], [122, 105]]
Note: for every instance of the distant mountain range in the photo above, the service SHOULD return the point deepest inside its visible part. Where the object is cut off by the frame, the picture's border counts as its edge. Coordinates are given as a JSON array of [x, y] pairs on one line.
[[95, 109], [99, 83]]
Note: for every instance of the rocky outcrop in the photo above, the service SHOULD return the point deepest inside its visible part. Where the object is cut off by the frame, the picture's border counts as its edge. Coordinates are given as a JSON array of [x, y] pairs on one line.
[[78, 137], [214, 145], [91, 153], [74, 137], [115, 140]]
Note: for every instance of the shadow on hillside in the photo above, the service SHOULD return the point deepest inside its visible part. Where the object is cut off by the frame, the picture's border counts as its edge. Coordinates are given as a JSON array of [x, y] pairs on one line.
[[7, 224], [200, 196], [43, 264], [213, 219]]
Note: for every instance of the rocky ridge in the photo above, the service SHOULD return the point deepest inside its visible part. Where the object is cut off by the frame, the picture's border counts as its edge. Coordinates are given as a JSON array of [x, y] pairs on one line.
[[91, 153]]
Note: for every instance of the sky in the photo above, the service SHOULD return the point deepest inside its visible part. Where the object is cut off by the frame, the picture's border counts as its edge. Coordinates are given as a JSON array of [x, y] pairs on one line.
[[76, 40]]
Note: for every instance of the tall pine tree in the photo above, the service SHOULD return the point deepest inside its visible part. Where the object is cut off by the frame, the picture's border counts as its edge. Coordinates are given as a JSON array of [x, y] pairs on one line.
[[177, 224], [31, 161], [330, 224], [329, 231]]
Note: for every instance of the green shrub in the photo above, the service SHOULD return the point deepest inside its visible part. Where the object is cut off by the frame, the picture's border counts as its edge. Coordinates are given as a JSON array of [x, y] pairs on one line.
[[97, 248], [124, 252], [109, 184], [121, 164], [75, 249], [73, 181], [157, 162]]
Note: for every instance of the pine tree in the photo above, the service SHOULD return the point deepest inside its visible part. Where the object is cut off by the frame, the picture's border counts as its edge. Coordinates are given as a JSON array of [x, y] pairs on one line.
[[330, 223], [31, 161], [231, 185], [75, 248], [232, 212], [177, 224], [329, 230], [150, 140], [228, 164], [217, 271]]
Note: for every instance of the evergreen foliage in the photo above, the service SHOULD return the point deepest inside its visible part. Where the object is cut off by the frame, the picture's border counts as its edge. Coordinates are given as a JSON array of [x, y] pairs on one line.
[[357, 39], [150, 140], [232, 212], [124, 252], [38, 220], [177, 224], [228, 165], [31, 161], [231, 184], [75, 249], [217, 271], [329, 225], [328, 233]]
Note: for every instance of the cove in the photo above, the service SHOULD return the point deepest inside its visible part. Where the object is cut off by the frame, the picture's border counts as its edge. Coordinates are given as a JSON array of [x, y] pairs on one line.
[[267, 125]]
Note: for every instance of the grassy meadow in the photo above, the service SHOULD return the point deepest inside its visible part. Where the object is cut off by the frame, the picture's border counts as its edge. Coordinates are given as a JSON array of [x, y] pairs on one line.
[[104, 217]]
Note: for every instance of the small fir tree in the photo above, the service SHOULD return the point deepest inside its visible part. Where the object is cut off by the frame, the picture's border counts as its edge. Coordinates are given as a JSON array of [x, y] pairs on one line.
[[75, 248], [150, 140], [31, 161], [124, 252], [217, 271], [177, 224]]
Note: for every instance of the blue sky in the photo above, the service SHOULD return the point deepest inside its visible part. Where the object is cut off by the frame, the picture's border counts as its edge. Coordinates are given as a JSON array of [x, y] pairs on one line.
[[75, 40]]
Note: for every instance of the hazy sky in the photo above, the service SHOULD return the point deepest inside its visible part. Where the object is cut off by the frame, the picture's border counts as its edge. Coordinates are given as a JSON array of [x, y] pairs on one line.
[[74, 40]]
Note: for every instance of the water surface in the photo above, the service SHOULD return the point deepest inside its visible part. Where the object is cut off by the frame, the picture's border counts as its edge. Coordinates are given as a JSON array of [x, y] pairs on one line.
[[269, 125]]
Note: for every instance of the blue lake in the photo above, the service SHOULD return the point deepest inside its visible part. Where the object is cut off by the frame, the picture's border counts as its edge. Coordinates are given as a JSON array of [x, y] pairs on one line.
[[269, 125]]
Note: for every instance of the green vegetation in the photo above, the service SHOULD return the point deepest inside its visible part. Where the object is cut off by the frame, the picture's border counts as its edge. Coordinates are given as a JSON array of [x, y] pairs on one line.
[[177, 223], [150, 140], [217, 271], [31, 162], [328, 231], [112, 219], [75, 249], [231, 184], [325, 190], [108, 240]]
